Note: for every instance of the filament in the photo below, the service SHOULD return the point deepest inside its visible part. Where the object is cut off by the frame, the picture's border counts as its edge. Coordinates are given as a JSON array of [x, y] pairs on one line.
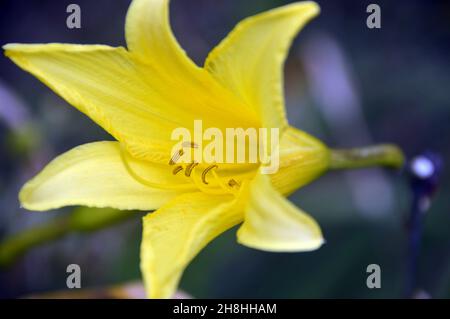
[[177, 169], [233, 183], [176, 157], [180, 153], [145, 182], [189, 169], [206, 172], [203, 188]]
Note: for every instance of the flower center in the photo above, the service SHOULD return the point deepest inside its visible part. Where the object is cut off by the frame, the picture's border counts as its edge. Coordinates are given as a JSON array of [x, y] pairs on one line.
[[209, 180], [205, 178]]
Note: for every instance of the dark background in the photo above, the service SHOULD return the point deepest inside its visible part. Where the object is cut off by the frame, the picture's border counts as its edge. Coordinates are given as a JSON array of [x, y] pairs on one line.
[[345, 83]]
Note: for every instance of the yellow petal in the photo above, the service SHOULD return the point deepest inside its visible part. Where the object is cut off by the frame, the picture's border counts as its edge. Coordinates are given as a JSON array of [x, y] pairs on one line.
[[94, 175], [272, 223], [303, 158], [175, 233], [150, 36], [105, 84], [250, 59]]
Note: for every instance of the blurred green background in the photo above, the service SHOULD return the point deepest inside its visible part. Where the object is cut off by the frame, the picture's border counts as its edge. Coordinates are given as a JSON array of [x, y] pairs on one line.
[[345, 83]]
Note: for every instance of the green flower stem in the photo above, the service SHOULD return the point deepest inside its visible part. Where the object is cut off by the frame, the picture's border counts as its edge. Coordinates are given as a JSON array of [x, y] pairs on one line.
[[17, 245], [82, 219], [385, 155]]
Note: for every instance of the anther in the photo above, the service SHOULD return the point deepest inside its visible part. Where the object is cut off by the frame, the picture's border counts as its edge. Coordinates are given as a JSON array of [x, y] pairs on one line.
[[189, 169], [233, 183], [180, 153], [177, 169], [206, 172], [176, 157]]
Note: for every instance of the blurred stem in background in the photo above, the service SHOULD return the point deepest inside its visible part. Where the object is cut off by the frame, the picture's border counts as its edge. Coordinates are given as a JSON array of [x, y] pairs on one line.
[[82, 219], [85, 219]]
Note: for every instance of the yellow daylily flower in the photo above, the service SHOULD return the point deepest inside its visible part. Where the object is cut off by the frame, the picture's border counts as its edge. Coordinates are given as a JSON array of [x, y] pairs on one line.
[[140, 95]]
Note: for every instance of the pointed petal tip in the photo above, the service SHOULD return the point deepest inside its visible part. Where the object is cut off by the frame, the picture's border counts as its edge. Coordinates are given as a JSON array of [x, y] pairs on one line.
[[23, 196], [315, 7], [7, 48], [14, 47], [26, 203], [13, 50], [310, 8]]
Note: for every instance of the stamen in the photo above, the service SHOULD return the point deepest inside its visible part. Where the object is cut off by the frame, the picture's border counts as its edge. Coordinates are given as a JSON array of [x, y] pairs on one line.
[[205, 189], [177, 169], [233, 183], [223, 185], [176, 157], [206, 172], [145, 182], [189, 169], [180, 153]]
